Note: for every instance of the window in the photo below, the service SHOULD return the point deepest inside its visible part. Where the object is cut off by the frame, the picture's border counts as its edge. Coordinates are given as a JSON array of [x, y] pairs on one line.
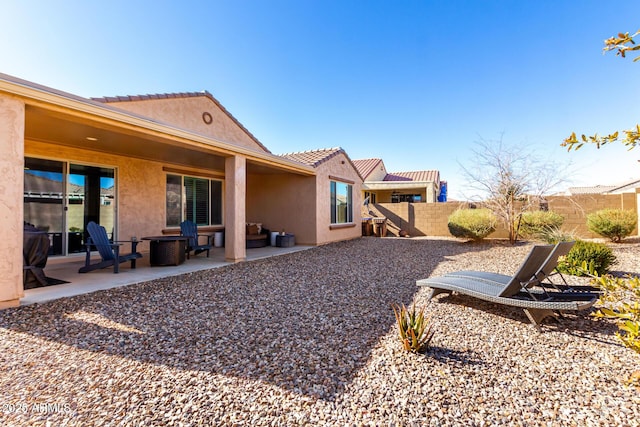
[[370, 196], [341, 203], [411, 198], [195, 199]]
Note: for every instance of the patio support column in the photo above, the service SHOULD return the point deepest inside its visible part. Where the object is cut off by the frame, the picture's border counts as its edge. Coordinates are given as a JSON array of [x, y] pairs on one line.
[[430, 194], [235, 171], [11, 199]]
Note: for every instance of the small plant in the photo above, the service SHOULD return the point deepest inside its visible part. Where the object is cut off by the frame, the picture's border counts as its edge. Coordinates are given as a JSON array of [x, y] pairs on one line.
[[621, 301], [587, 258], [614, 224], [534, 224], [473, 224], [553, 235], [415, 331]]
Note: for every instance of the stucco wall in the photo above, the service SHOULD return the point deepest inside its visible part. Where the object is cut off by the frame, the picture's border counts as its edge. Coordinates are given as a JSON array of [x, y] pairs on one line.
[[338, 167], [186, 113], [11, 207], [378, 173], [284, 202]]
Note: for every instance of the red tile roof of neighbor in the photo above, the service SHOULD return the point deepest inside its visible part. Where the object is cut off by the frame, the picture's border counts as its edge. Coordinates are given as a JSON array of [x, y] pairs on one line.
[[207, 94], [428, 176], [366, 166], [315, 158]]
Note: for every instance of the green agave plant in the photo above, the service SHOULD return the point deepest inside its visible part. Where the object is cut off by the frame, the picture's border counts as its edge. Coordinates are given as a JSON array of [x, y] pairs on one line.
[[414, 329]]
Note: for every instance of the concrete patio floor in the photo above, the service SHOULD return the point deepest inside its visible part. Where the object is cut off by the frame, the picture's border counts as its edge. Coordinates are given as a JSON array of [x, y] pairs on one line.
[[67, 269]]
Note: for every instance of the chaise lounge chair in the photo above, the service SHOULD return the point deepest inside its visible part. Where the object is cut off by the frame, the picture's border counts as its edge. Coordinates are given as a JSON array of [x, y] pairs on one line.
[[109, 252], [529, 273], [519, 290], [537, 270]]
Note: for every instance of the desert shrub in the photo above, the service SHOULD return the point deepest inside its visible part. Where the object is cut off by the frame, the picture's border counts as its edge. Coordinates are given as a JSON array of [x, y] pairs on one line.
[[555, 235], [473, 224], [533, 224], [620, 300], [415, 331], [587, 257], [614, 224]]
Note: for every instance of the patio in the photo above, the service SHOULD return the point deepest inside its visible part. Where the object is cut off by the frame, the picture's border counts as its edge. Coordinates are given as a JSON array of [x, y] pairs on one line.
[[67, 269]]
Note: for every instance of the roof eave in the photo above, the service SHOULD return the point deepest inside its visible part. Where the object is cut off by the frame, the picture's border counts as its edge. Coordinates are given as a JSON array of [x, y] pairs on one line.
[[45, 96]]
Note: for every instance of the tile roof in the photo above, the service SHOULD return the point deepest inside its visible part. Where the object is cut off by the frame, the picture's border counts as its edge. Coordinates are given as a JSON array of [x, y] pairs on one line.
[[313, 157], [606, 189], [630, 185], [422, 176], [207, 94], [597, 189], [366, 166]]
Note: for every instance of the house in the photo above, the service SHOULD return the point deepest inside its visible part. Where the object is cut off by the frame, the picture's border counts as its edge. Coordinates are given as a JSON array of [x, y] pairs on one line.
[[139, 165], [381, 186], [630, 186]]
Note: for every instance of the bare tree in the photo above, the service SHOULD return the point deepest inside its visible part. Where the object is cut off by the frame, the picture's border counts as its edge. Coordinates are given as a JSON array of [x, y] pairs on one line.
[[509, 180]]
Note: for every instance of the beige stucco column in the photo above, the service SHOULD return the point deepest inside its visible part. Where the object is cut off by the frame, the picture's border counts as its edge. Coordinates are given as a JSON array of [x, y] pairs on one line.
[[235, 171], [431, 194], [11, 192]]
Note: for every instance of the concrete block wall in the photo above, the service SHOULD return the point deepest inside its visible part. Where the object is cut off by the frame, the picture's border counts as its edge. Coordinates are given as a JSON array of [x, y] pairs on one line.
[[430, 219], [575, 209]]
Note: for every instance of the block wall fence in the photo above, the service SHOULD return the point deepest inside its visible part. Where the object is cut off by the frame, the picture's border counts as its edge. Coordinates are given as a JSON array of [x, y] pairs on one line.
[[430, 219]]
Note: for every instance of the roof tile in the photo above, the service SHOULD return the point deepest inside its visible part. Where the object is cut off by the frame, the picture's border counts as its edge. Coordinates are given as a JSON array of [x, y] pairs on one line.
[[366, 166], [313, 157], [422, 176]]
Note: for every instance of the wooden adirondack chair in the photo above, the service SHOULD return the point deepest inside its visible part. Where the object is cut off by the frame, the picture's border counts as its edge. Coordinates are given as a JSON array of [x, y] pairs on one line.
[[190, 230], [109, 252]]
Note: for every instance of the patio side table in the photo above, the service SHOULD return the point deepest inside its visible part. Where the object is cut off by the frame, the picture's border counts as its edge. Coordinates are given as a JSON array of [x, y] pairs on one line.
[[285, 241], [166, 250]]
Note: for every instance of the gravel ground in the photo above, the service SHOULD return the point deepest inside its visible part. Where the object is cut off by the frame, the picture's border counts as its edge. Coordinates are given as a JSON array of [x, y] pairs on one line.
[[309, 339]]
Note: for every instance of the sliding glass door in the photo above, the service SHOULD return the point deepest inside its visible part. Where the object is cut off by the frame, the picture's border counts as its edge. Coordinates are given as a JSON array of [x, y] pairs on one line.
[[91, 196], [44, 202], [61, 198]]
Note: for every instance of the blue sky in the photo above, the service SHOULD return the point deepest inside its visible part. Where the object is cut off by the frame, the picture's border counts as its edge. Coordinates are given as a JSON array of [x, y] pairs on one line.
[[415, 83]]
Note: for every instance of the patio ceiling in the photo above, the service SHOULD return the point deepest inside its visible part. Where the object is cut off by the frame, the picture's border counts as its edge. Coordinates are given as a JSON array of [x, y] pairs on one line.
[[63, 129], [395, 185]]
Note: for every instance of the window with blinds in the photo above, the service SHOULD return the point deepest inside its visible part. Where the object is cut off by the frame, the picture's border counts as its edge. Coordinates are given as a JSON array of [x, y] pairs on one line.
[[195, 199]]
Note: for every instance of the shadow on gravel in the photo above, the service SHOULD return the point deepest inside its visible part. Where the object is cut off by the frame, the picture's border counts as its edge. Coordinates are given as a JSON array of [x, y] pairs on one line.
[[586, 327], [445, 355], [507, 312], [306, 322], [580, 323]]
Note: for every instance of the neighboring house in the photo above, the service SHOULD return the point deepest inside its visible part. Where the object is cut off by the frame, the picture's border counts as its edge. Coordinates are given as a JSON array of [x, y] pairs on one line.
[[142, 164], [630, 186], [381, 186]]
